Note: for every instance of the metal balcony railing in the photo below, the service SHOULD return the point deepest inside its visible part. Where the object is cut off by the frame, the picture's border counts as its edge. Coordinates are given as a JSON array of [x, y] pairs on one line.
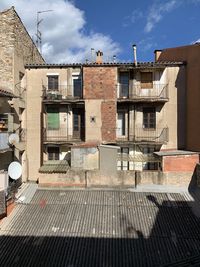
[[62, 92], [158, 135], [63, 135], [22, 135], [136, 92]]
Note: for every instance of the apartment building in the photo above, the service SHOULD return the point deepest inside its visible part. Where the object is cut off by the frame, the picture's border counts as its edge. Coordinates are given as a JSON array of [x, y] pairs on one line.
[[16, 49], [73, 109]]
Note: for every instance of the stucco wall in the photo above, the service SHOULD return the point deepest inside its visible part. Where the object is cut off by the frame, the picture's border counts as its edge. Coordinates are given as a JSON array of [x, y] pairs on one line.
[[190, 54]]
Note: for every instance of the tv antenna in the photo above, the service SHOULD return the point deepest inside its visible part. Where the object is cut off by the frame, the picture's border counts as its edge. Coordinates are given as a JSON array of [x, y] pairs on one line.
[[39, 33]]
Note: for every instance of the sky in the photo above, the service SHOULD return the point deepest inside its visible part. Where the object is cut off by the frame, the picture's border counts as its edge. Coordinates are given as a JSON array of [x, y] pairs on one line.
[[75, 26]]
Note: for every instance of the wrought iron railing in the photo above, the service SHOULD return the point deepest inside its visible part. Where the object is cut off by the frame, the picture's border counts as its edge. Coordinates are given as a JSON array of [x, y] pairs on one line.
[[158, 135], [62, 135], [22, 135], [128, 91], [62, 92]]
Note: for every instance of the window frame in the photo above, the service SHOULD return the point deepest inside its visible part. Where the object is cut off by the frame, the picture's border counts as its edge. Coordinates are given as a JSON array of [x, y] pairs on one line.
[[56, 155], [146, 83], [55, 85], [149, 118]]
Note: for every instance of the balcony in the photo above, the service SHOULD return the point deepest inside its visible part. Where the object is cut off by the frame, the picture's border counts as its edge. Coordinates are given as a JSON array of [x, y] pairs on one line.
[[63, 135], [63, 93], [141, 135], [158, 92]]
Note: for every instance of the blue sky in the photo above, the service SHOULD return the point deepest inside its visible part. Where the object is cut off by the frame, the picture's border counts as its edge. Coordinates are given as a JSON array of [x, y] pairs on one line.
[[76, 26], [126, 22]]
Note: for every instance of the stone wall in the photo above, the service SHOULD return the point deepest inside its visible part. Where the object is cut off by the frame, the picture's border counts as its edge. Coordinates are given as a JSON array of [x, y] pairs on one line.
[[15, 43]]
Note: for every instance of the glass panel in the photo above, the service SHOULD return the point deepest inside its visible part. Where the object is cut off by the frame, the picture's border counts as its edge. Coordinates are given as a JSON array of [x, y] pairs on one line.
[[76, 122], [53, 82], [53, 153], [77, 87], [124, 84], [121, 124]]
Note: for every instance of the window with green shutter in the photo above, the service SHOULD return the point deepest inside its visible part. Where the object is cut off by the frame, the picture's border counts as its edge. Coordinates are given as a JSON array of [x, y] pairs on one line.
[[53, 121]]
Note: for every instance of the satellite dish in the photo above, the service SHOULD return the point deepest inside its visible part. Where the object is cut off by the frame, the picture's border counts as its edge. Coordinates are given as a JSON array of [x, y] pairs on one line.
[[13, 139], [15, 170]]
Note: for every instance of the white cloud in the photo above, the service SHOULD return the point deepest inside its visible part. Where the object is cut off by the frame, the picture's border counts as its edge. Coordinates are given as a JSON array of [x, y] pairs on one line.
[[157, 12], [136, 15], [63, 30], [196, 42], [147, 44]]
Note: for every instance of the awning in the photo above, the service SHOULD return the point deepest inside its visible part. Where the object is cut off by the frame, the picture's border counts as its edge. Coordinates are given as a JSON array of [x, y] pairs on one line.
[[54, 166], [139, 158]]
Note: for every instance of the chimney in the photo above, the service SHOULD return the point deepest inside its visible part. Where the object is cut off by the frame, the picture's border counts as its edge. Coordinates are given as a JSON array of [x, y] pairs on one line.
[[92, 55], [114, 59], [135, 54], [99, 58], [157, 54]]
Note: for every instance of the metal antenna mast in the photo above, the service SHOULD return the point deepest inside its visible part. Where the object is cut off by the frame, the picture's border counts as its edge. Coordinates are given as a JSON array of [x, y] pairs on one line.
[[38, 33]]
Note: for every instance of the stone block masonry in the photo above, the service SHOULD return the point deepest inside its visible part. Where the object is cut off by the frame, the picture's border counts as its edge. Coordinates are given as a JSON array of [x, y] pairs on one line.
[[15, 42]]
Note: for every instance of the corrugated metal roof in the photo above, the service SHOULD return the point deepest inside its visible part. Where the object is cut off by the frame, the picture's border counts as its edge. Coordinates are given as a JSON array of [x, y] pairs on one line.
[[139, 158], [175, 153], [110, 64], [87, 228], [54, 166]]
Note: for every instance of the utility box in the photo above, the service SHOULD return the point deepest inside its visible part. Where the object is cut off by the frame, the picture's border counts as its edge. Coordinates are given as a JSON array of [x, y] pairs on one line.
[[108, 159]]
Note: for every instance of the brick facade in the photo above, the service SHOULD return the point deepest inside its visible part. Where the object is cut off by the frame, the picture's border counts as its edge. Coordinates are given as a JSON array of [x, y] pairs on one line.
[[108, 115], [186, 163], [100, 83]]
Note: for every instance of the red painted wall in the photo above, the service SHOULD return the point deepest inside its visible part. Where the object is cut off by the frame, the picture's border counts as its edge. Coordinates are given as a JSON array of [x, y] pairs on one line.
[[185, 163]]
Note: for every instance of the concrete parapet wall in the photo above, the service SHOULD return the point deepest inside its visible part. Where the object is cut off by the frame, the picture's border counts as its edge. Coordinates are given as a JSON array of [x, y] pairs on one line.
[[160, 178], [121, 179]]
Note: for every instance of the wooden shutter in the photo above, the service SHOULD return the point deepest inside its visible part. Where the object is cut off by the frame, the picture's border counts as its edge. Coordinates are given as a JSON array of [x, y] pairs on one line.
[[146, 80], [53, 121]]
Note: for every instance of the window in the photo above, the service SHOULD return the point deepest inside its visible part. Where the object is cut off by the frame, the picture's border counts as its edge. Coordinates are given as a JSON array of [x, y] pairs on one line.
[[53, 82], [53, 153], [77, 86], [121, 123], [3, 122], [146, 80], [150, 165], [53, 120], [149, 118], [124, 84], [123, 163]]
